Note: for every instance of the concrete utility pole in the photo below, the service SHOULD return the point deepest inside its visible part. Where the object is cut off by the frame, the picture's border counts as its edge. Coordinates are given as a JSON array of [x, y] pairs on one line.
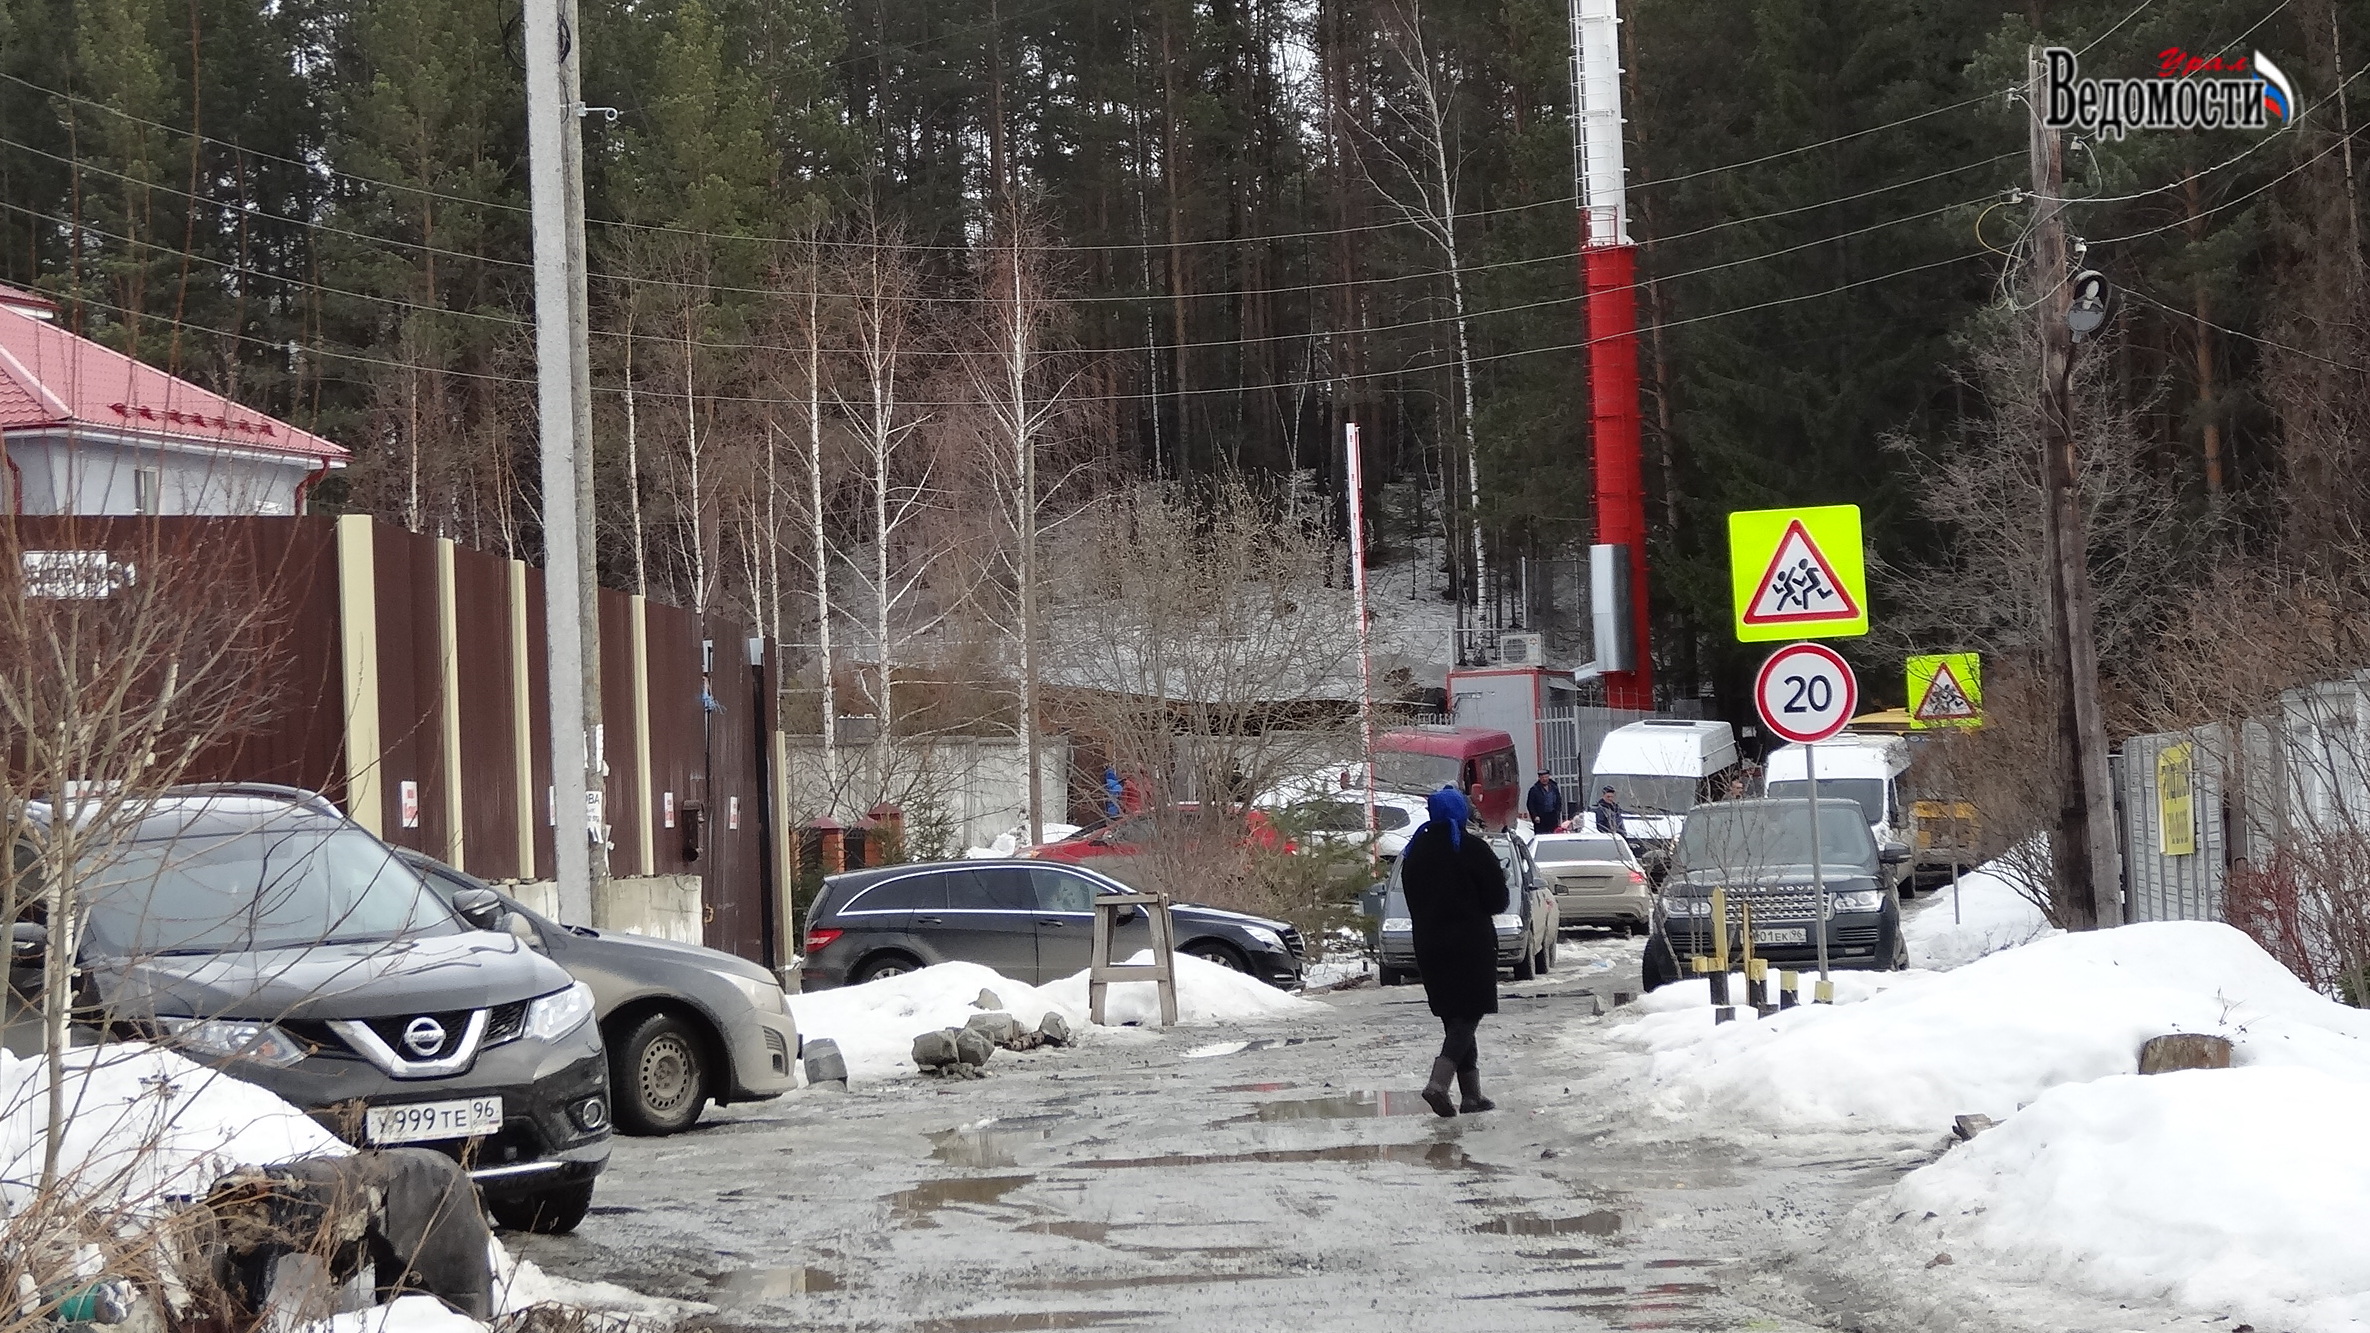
[[2088, 877], [563, 375]]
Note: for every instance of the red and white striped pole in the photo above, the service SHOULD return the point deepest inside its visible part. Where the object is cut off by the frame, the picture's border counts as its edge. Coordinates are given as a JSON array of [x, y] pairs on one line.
[[1608, 273]]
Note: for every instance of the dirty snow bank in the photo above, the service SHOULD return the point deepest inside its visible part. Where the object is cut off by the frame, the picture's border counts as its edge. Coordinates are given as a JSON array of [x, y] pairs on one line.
[[2234, 1191], [1993, 914], [875, 1023], [1996, 1033], [519, 1284], [144, 1126]]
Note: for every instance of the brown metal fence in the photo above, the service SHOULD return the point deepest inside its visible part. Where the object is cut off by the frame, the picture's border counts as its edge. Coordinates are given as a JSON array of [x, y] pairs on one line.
[[409, 684]]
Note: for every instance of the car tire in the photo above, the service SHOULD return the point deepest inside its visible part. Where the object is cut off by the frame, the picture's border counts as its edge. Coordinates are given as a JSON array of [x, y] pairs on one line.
[[1389, 976], [658, 1076], [1526, 967], [1900, 961], [1224, 955], [1661, 967], [880, 967], [551, 1213]]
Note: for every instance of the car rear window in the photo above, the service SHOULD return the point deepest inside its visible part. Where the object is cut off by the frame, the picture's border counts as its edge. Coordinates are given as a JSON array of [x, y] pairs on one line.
[[906, 893], [1580, 849]]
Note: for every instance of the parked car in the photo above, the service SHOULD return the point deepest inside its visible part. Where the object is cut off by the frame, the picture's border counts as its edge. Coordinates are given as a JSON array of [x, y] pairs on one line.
[[1659, 769], [1596, 878], [1479, 761], [1760, 852], [268, 936], [1527, 929], [684, 1024], [1865, 769], [1245, 830], [1341, 820], [1033, 921]]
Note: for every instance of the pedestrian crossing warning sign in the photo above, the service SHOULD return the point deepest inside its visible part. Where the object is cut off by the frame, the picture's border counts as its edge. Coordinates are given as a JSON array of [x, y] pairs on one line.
[[1945, 690], [1798, 573]]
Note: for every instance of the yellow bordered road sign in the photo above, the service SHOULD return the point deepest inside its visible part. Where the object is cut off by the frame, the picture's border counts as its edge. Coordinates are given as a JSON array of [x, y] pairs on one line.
[[1798, 573], [1945, 690]]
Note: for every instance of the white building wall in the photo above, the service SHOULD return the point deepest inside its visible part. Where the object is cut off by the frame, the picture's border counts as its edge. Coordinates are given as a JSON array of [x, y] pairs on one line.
[[80, 474]]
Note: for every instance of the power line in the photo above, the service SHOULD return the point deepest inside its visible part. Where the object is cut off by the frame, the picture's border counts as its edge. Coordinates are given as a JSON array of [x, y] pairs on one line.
[[2191, 317]]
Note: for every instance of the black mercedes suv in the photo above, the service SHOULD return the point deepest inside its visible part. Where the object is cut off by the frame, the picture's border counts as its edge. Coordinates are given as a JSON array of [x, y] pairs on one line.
[[264, 934], [1760, 852]]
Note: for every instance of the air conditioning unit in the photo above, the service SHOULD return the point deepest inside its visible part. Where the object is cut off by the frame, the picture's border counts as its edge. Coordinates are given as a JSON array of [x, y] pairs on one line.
[[1521, 649]]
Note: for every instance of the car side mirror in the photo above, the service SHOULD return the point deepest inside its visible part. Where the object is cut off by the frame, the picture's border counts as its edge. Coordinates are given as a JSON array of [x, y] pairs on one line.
[[28, 950], [1893, 853], [481, 908]]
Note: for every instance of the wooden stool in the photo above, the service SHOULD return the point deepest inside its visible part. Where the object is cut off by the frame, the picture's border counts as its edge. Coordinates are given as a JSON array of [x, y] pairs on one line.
[[1161, 971]]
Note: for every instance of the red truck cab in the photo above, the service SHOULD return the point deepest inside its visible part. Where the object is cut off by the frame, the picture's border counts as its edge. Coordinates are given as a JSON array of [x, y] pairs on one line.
[[1475, 760]]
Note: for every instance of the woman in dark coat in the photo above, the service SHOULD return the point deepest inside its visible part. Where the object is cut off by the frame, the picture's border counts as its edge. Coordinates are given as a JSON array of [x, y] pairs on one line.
[[1454, 885]]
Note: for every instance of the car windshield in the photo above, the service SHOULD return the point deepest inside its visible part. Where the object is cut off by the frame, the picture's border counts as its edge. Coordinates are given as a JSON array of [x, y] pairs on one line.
[[1751, 836], [1650, 793], [1408, 771], [269, 888], [1549, 850], [1867, 793]]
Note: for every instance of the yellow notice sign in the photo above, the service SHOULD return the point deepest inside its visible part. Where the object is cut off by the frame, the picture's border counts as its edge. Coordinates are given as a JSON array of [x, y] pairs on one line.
[[2176, 799], [1945, 690], [1798, 573]]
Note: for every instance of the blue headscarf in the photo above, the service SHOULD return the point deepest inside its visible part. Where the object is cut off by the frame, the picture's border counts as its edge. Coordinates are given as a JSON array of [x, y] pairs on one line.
[[1450, 809]]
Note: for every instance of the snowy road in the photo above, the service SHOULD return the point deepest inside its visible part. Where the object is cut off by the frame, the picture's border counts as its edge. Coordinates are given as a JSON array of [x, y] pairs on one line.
[[1250, 1178]]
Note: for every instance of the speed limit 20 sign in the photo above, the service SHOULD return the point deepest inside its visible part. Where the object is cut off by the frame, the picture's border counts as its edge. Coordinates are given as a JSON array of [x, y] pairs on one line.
[[1806, 693]]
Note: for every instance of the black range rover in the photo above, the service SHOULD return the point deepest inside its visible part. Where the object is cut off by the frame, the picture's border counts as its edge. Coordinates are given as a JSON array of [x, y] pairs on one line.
[[275, 940], [1760, 852]]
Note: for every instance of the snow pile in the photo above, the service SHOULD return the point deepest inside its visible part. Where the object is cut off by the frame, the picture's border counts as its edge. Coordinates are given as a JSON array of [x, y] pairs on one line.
[[144, 1126], [2234, 1191], [1013, 841], [1993, 914], [1996, 1033], [875, 1023], [520, 1284], [404, 1314], [1206, 993]]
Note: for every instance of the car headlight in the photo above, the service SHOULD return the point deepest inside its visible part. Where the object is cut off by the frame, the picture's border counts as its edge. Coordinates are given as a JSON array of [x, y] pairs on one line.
[[1506, 921], [1398, 925], [554, 1016], [1266, 939], [1688, 906], [763, 993], [1860, 900], [265, 1044]]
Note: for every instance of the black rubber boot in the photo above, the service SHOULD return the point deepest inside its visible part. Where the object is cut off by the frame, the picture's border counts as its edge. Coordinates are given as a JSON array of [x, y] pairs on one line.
[[1436, 1091], [1469, 1083]]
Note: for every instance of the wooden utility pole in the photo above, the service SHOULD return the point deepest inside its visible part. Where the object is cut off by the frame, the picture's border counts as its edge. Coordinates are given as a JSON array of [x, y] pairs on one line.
[[2089, 880]]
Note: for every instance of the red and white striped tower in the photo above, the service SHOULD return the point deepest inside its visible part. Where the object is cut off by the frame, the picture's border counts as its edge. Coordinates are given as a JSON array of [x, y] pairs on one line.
[[1608, 273]]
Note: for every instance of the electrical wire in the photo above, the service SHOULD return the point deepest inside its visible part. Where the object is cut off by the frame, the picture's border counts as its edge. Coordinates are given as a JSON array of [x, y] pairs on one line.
[[2193, 318]]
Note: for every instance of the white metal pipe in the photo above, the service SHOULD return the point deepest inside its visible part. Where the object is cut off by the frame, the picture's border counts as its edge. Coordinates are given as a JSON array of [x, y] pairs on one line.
[[1596, 103]]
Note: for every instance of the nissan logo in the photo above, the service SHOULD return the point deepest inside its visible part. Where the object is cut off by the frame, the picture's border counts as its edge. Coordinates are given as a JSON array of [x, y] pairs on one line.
[[423, 1036]]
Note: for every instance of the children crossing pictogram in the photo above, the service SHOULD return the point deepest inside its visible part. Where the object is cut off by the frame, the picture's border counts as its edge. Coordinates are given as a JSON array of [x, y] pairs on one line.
[[1800, 585], [1946, 700]]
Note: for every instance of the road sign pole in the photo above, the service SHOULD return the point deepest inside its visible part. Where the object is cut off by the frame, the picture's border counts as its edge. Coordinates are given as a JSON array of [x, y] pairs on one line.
[[1818, 874]]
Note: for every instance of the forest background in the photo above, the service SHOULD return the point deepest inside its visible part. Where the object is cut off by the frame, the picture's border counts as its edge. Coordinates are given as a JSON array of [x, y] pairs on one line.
[[1243, 224]]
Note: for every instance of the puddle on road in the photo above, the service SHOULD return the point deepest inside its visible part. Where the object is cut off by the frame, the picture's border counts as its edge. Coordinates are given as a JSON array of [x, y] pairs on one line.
[[1082, 1284], [1094, 1232], [1218, 1048], [1258, 1087], [1346, 1106], [989, 1147], [1531, 1224], [749, 1285], [1027, 1322], [1607, 1267], [914, 1206], [1447, 1156]]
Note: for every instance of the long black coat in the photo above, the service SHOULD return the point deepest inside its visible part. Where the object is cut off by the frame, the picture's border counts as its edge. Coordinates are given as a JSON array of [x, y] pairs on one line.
[[1452, 892]]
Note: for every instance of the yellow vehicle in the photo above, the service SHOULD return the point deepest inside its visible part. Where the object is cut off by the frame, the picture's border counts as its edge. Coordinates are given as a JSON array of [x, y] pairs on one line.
[[1948, 833]]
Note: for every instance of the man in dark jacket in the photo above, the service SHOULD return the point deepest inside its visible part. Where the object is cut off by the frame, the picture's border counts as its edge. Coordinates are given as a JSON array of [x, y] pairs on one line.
[[1545, 804], [1454, 885], [1608, 814]]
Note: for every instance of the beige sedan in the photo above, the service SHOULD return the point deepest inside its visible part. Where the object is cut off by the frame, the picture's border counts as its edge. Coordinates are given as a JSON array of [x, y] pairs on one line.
[[1596, 878]]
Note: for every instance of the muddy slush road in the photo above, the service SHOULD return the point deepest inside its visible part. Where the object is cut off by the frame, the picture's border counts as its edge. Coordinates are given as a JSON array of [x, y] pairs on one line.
[[1280, 1177]]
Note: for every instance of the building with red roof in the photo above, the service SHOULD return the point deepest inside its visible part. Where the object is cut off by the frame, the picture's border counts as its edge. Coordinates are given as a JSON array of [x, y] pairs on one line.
[[88, 430]]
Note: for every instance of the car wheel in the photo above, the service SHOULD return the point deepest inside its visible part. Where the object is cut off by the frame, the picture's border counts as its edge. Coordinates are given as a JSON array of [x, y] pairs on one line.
[[1389, 976], [1224, 955], [1900, 961], [551, 1213], [1526, 967], [885, 966], [658, 1075], [1661, 967]]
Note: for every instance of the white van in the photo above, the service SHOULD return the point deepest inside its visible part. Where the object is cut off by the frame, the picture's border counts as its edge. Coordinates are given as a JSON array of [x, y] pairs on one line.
[[1659, 769], [1855, 766]]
